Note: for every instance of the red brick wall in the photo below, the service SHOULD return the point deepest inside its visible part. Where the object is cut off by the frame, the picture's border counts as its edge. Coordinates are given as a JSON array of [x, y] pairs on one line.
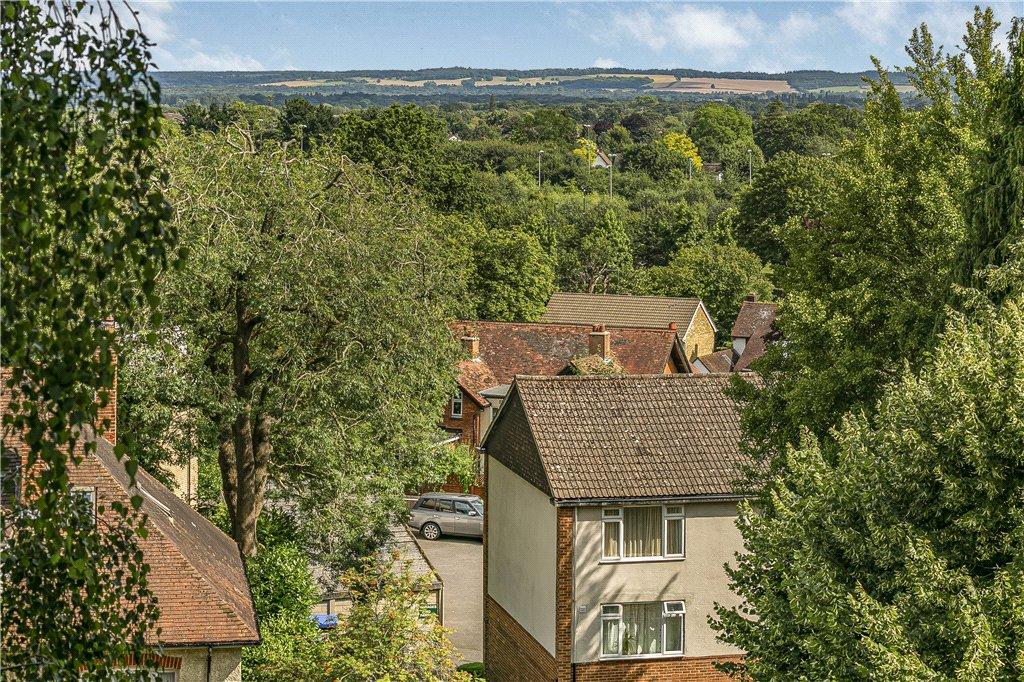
[[468, 424], [564, 589], [511, 654], [695, 669]]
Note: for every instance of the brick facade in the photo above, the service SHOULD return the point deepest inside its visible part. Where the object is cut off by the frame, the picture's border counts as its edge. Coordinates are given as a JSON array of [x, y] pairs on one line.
[[468, 425], [564, 587], [511, 654], [695, 669], [700, 337]]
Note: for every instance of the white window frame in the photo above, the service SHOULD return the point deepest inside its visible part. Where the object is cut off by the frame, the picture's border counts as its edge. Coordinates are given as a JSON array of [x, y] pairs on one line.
[[669, 609], [615, 515], [91, 490], [457, 400]]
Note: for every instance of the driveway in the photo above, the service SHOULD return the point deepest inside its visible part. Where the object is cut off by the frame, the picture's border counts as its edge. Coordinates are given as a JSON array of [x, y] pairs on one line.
[[460, 563]]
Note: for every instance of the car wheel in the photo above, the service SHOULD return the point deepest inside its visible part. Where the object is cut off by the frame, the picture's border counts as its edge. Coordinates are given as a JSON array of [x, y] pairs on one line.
[[431, 531]]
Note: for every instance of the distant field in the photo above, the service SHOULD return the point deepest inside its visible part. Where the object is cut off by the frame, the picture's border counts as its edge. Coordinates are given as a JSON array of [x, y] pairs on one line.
[[732, 85], [839, 89], [663, 82]]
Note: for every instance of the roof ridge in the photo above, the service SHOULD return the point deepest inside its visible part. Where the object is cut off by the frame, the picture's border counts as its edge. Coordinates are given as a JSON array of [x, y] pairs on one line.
[[632, 296], [587, 327], [678, 376]]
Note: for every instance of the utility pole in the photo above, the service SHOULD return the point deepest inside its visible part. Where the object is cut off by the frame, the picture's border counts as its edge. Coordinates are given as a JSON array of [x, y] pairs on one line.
[[538, 167], [611, 164], [750, 166]]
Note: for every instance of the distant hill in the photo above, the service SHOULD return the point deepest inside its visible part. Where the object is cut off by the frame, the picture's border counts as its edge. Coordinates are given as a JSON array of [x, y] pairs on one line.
[[462, 83]]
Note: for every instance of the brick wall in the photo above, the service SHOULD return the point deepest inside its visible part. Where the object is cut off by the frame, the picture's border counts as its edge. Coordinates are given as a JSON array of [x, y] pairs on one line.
[[468, 424], [696, 669], [511, 654], [564, 588]]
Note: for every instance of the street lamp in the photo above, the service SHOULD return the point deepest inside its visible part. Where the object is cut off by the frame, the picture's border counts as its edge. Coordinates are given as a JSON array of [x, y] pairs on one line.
[[611, 164], [750, 166], [691, 167], [538, 167]]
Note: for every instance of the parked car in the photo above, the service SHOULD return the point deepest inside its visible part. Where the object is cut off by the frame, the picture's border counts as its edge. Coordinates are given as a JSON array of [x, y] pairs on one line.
[[437, 514]]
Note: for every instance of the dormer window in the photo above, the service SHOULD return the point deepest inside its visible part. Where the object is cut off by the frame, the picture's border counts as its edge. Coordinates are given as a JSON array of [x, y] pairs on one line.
[[457, 406]]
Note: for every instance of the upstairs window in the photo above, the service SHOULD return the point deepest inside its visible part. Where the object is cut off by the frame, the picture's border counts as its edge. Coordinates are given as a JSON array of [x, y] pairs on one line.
[[648, 532], [457, 406], [84, 498], [10, 478]]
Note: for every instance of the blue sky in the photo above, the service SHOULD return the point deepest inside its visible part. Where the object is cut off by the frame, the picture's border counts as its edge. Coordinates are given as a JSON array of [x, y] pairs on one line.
[[762, 36]]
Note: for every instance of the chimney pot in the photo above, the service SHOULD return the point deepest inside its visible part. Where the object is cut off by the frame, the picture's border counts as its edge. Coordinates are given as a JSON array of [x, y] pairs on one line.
[[752, 297], [471, 344], [600, 342], [673, 326]]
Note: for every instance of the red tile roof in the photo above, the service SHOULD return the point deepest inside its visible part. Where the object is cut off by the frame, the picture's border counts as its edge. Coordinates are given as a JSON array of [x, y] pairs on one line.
[[717, 362], [511, 348], [196, 571]]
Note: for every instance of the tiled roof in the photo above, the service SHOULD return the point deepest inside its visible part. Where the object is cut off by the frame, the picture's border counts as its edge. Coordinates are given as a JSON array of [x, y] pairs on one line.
[[196, 571], [718, 362], [753, 317], [621, 310], [755, 323], [511, 348], [673, 435]]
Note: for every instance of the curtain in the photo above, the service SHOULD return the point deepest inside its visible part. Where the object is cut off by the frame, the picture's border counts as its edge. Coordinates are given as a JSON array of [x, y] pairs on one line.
[[641, 629], [610, 637], [642, 531], [611, 539]]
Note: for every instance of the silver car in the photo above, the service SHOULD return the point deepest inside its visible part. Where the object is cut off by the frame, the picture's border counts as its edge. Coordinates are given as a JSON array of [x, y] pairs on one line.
[[437, 514]]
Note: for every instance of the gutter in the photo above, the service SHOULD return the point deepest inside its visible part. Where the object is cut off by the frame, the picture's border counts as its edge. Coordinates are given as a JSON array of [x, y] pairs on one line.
[[601, 501]]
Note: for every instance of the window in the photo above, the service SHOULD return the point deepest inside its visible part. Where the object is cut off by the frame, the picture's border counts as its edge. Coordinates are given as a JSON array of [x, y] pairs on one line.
[[630, 533], [445, 506], [429, 503], [465, 509], [10, 478], [643, 629], [84, 498], [457, 406]]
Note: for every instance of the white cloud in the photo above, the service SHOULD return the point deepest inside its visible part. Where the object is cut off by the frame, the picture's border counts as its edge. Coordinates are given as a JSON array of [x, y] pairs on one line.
[[716, 34], [153, 20], [223, 60], [605, 63], [873, 20]]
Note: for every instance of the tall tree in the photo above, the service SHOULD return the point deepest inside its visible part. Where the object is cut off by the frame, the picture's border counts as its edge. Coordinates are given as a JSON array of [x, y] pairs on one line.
[[513, 277], [83, 239], [313, 309]]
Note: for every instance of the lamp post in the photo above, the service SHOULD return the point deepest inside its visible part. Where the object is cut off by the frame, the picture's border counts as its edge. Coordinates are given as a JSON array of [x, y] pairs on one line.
[[541, 152], [750, 166], [611, 164], [691, 167]]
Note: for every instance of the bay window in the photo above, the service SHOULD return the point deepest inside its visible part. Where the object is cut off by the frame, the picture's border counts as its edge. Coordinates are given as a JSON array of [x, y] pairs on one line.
[[642, 629], [648, 532]]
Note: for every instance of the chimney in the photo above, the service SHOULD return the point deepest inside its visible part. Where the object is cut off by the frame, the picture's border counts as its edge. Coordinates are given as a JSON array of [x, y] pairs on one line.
[[601, 342], [471, 344], [672, 326], [751, 297]]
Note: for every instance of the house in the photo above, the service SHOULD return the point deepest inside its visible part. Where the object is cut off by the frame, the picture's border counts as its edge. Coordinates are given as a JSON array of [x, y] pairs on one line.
[[753, 331], [611, 513], [714, 363], [601, 160], [693, 323], [335, 600], [495, 352], [197, 574]]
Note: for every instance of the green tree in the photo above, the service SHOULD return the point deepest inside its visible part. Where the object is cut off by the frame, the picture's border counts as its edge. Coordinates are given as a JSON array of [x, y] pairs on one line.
[[715, 126], [313, 308], [719, 274], [83, 240], [896, 553], [895, 226], [585, 149], [816, 130], [513, 278], [604, 261], [789, 187], [304, 122]]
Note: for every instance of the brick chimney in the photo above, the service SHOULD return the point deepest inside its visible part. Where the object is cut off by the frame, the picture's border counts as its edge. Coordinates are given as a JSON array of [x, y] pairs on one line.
[[601, 342], [672, 326], [471, 344], [751, 297]]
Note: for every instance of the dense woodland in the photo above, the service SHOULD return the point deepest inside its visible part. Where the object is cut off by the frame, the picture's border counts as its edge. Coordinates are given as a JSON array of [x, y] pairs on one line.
[[285, 276]]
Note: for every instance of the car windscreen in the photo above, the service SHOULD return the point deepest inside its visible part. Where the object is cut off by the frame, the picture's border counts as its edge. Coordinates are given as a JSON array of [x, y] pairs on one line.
[[478, 506]]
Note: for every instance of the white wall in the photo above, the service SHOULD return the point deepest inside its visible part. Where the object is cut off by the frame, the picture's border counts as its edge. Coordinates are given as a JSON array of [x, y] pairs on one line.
[[712, 540], [226, 664], [521, 529]]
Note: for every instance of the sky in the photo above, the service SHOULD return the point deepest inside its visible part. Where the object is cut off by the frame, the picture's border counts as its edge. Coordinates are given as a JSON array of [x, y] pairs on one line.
[[721, 36]]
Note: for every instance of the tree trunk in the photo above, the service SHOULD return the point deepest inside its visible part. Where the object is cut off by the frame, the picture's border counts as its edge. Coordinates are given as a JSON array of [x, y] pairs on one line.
[[245, 453]]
